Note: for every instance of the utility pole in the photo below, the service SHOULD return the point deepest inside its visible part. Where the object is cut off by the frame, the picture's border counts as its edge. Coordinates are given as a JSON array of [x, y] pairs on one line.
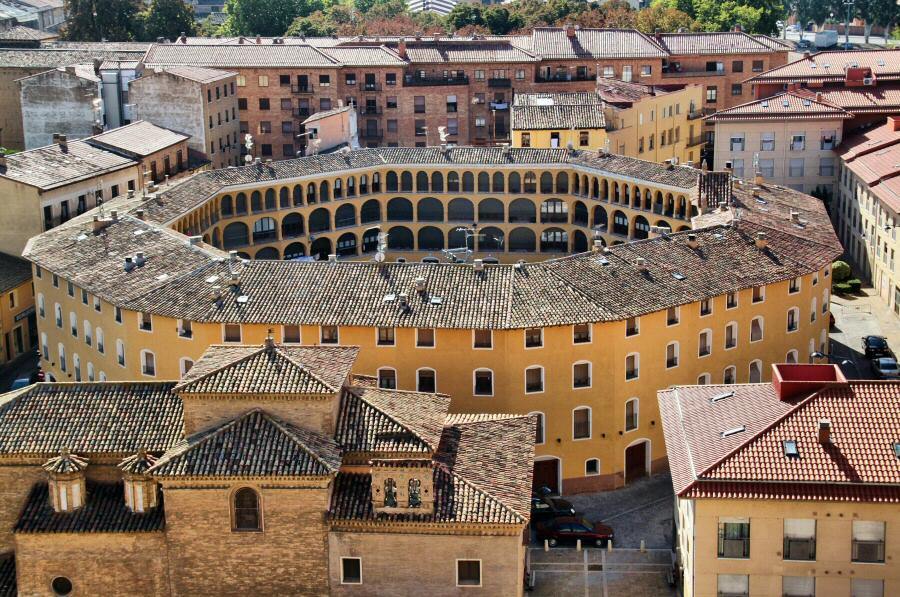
[[849, 5]]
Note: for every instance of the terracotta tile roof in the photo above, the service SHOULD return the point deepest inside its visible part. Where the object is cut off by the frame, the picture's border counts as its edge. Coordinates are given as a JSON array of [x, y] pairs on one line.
[[552, 43], [51, 167], [874, 156], [23, 33], [65, 463], [140, 138], [8, 586], [195, 73], [483, 476], [727, 441], [90, 418], [34, 58], [14, 271], [238, 55], [725, 43], [773, 43], [327, 113], [831, 67], [557, 99], [256, 444], [364, 56], [373, 419], [790, 105], [616, 91], [466, 51], [104, 511], [279, 369], [863, 100], [557, 117], [137, 464]]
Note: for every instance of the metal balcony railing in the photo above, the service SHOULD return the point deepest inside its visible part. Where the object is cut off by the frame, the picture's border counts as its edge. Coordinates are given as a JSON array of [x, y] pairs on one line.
[[417, 81]]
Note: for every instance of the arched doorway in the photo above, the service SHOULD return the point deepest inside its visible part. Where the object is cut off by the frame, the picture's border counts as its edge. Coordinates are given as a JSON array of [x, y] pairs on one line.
[[547, 473], [637, 460]]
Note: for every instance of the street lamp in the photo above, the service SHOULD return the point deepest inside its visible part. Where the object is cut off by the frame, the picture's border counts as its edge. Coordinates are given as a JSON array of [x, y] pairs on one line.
[[849, 5]]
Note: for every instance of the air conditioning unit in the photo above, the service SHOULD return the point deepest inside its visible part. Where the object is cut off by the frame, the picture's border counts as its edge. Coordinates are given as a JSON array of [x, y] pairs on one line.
[[868, 81]]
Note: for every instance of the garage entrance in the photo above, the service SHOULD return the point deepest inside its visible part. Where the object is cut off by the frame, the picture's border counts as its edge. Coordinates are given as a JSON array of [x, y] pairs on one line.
[[636, 461], [546, 473]]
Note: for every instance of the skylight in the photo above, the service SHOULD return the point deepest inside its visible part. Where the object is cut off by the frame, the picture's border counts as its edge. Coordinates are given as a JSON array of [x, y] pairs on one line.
[[897, 449], [790, 448], [733, 431], [720, 397], [678, 275]]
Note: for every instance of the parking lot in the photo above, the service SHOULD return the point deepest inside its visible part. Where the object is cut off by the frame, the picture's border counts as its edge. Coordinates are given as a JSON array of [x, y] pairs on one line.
[[857, 316], [640, 512]]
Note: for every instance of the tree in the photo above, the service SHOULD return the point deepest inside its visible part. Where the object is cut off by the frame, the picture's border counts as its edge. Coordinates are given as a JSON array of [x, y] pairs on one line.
[[95, 20], [500, 21], [266, 17], [464, 14], [168, 19], [318, 24], [656, 17], [386, 9]]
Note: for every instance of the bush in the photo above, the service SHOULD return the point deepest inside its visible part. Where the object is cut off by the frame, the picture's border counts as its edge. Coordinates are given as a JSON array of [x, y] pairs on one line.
[[840, 288], [840, 271], [854, 284]]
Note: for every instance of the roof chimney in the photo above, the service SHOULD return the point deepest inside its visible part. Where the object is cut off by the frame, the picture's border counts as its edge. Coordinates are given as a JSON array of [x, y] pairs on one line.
[[818, 96], [420, 285], [795, 217], [404, 299], [270, 341], [761, 241], [598, 246], [129, 264], [824, 431], [738, 27], [232, 256], [139, 213], [692, 241], [195, 240], [401, 48], [139, 258], [893, 123], [479, 265], [570, 30], [63, 142], [114, 215], [641, 264], [332, 257]]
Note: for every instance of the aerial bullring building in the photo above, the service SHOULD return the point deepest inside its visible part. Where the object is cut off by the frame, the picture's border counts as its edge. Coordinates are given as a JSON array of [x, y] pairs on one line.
[[594, 280]]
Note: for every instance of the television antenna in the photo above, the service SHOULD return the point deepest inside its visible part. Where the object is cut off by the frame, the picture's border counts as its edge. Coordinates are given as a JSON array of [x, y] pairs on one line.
[[248, 144], [470, 233], [379, 256]]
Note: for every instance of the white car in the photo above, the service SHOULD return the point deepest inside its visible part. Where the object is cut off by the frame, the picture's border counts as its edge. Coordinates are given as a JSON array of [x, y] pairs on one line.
[[793, 29]]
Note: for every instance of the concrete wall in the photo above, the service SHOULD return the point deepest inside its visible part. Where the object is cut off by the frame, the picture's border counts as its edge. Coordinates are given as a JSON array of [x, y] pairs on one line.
[[397, 564], [58, 102], [23, 299]]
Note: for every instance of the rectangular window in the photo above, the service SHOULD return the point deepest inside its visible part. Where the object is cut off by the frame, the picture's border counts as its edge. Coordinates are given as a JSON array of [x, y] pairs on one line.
[[626, 73], [468, 573], [241, 81], [672, 316], [581, 423], [451, 104], [798, 586], [520, 74], [185, 328], [534, 380], [734, 538], [324, 80], [737, 142], [826, 166], [868, 541], [799, 539], [632, 326], [757, 66], [631, 415], [705, 307], [737, 168], [733, 585], [387, 379], [146, 322], [350, 79], [290, 334], [581, 375], [526, 139], [118, 315], [391, 101], [759, 294], [232, 332], [419, 104], [420, 128], [386, 336], [479, 75], [737, 66], [425, 337], [264, 103], [711, 94], [484, 383], [583, 138], [534, 338], [452, 126], [483, 339], [646, 70], [329, 334], [795, 168], [798, 142], [609, 72], [390, 78], [425, 381], [287, 127], [392, 125], [263, 80], [265, 126], [737, 89], [581, 333], [767, 168]]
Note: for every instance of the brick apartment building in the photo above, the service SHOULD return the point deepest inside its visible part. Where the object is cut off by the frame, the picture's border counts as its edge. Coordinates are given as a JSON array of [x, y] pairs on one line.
[[410, 90]]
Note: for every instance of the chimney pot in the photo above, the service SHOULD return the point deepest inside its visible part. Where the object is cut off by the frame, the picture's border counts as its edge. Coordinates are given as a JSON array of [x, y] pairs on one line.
[[232, 256], [139, 213], [824, 431], [129, 264], [332, 257], [404, 299], [641, 264], [692, 241], [139, 258], [761, 240], [420, 285], [114, 214], [479, 265]]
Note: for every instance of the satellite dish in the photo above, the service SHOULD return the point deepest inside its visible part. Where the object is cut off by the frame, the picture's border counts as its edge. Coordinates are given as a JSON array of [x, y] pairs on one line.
[[248, 158], [379, 257]]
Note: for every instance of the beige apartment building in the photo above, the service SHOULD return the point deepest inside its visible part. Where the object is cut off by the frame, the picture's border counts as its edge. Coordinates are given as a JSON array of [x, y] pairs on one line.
[[867, 211], [18, 321], [786, 488], [789, 139]]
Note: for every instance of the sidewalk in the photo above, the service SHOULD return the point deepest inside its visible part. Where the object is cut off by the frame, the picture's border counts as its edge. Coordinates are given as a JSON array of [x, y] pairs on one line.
[[861, 315]]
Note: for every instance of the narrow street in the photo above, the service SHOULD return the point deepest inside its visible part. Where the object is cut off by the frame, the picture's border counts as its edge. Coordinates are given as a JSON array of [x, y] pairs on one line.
[[856, 316]]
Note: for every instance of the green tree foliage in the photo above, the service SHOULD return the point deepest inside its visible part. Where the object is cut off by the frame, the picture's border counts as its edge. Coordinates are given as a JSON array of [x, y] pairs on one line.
[[840, 271], [500, 21], [318, 24], [94, 20], [168, 19], [663, 18], [755, 16], [266, 17], [465, 14]]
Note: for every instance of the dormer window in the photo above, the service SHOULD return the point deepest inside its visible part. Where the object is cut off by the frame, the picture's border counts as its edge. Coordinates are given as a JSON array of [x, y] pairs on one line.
[[66, 481], [399, 485], [390, 493]]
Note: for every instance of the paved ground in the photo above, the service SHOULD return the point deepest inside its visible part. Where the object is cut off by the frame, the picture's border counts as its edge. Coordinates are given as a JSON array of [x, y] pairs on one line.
[[600, 572], [21, 367], [857, 316]]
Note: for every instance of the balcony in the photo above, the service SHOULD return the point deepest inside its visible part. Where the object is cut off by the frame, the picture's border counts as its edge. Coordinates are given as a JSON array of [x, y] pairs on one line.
[[371, 134], [300, 113], [416, 81], [500, 83], [695, 114], [372, 86], [563, 77], [674, 74], [370, 110], [799, 548], [499, 105], [301, 89]]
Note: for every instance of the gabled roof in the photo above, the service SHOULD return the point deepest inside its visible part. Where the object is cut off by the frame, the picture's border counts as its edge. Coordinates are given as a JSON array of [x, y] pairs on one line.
[[198, 74], [728, 441], [89, 418], [720, 42], [14, 271], [238, 55], [525, 118], [269, 369], [863, 100], [553, 43], [831, 67], [374, 419], [790, 105], [104, 511], [483, 476], [23, 33], [256, 444], [138, 139], [454, 51], [364, 56], [52, 166]]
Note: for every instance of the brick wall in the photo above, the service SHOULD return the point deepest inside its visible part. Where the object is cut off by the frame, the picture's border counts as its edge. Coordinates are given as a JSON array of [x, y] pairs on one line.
[[317, 415], [15, 485]]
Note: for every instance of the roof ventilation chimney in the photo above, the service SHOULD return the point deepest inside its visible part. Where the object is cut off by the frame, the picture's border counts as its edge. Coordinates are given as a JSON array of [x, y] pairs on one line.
[[824, 431], [139, 213], [761, 241], [401, 48], [420, 285], [129, 264], [479, 265], [795, 217], [404, 300], [232, 256], [332, 258], [139, 259], [63, 142], [641, 264], [598, 245], [195, 240], [570, 30], [692, 241], [114, 214]]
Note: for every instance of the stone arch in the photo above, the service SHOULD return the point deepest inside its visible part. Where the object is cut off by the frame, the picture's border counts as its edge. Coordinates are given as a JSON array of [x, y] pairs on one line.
[[529, 183], [437, 182], [453, 182], [270, 199], [422, 182], [292, 225], [430, 239], [515, 183], [490, 239], [351, 186], [406, 182], [370, 240], [522, 240], [370, 211], [554, 240], [265, 229], [391, 185], [562, 183], [345, 216], [641, 227], [554, 211], [620, 223], [546, 183], [460, 210], [399, 209], [601, 219], [468, 182], [256, 205], [235, 234], [319, 221], [490, 210], [346, 245], [484, 182], [320, 248], [400, 238], [522, 210], [324, 192], [338, 188], [311, 193], [240, 204], [580, 214], [429, 209], [579, 242], [497, 183], [226, 205], [267, 253], [294, 250], [298, 195]]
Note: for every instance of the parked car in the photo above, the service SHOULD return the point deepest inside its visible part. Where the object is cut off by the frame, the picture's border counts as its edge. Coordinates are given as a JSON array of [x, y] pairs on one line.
[[20, 383], [876, 346], [37, 376], [885, 368], [804, 44], [546, 507], [792, 28], [568, 529]]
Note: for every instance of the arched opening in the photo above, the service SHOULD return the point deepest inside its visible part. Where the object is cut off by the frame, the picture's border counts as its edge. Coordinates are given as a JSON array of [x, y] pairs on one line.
[[580, 214], [215, 238], [579, 242], [235, 234], [226, 205], [346, 244], [421, 182], [637, 460], [376, 182], [515, 183], [546, 474], [345, 216], [437, 182], [429, 209], [546, 183], [351, 186], [522, 240], [490, 239], [294, 250], [264, 229], [267, 253], [620, 223], [370, 211], [319, 220], [256, 201], [246, 510], [363, 184], [284, 198], [460, 210], [468, 182], [497, 185], [390, 182], [562, 182], [270, 199], [641, 227], [522, 211], [430, 239], [484, 182], [490, 210], [370, 240], [601, 220], [554, 211], [324, 192], [240, 204], [310, 193], [338, 188], [320, 249], [456, 239], [400, 238], [453, 182], [530, 183], [292, 225], [554, 240], [399, 209], [406, 182]]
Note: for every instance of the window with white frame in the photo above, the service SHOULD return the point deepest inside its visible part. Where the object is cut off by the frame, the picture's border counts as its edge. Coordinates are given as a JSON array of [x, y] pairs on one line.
[[538, 427], [483, 382], [731, 335], [231, 332], [185, 365], [767, 142], [793, 319], [704, 379], [387, 378], [791, 356], [737, 142], [799, 539], [88, 336], [798, 142], [386, 336], [145, 322], [534, 337], [755, 373], [62, 357], [756, 329], [581, 375], [185, 328], [120, 352], [45, 349], [704, 346], [40, 303], [73, 324], [581, 423], [868, 541], [673, 315], [671, 355], [426, 380], [729, 375], [581, 333], [632, 414], [632, 366], [796, 167], [57, 311], [328, 334], [534, 380], [148, 363], [592, 467], [867, 587]]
